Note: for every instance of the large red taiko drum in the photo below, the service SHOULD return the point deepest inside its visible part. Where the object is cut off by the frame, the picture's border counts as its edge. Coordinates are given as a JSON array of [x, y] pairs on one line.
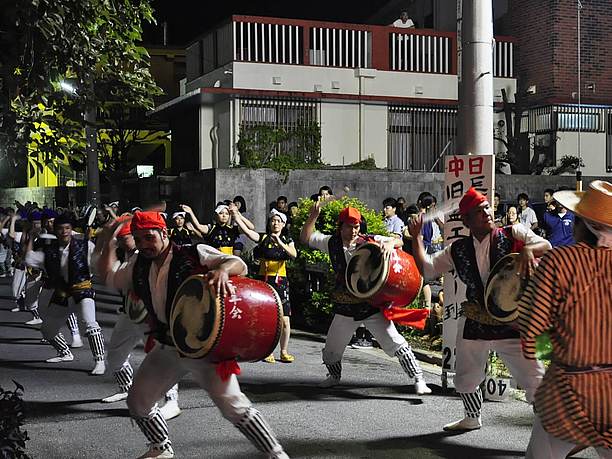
[[244, 326], [382, 281]]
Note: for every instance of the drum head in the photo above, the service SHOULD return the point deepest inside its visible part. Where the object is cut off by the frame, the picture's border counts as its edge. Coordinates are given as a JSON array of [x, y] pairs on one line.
[[503, 290], [195, 318], [366, 271], [89, 215]]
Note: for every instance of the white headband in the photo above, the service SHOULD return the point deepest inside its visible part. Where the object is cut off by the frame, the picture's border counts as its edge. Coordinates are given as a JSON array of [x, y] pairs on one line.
[[221, 208], [178, 214], [603, 233], [279, 214]]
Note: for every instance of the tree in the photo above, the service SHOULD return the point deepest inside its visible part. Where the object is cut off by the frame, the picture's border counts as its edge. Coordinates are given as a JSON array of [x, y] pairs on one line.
[[93, 45]]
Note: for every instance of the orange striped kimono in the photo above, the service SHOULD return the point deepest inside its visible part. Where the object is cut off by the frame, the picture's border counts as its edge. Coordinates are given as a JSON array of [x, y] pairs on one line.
[[570, 296]]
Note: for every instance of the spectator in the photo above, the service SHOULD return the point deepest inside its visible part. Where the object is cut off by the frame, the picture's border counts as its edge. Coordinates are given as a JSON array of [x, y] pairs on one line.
[[511, 217], [548, 196], [401, 208], [527, 216], [404, 22], [240, 204], [392, 222], [412, 211], [498, 212], [326, 193], [293, 210], [559, 224], [281, 204]]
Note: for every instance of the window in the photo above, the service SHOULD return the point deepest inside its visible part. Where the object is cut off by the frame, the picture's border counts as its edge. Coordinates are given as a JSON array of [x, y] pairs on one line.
[[419, 136], [587, 119]]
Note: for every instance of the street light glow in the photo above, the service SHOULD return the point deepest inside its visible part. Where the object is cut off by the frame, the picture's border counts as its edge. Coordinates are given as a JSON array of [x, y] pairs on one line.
[[67, 87]]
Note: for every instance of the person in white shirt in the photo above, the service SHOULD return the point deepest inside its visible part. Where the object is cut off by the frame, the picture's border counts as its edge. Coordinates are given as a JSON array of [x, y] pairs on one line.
[[393, 223], [527, 216], [68, 266], [153, 276], [477, 333], [404, 21]]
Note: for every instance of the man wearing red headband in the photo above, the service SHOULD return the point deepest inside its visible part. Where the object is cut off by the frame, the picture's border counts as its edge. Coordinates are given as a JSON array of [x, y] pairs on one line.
[[153, 276], [349, 312], [477, 333]]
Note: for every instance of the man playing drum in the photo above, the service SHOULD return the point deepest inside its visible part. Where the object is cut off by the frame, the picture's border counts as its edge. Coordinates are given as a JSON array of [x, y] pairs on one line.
[[472, 257], [154, 275], [570, 296], [348, 313]]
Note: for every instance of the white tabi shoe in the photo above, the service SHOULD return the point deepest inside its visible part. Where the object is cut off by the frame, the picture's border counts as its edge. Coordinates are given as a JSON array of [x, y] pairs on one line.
[[61, 358], [99, 368], [464, 425], [115, 397], [331, 381], [16, 309], [170, 410], [154, 451], [34, 321], [421, 387], [76, 342]]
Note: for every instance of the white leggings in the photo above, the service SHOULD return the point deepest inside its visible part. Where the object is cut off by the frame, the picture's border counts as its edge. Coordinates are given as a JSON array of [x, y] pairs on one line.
[[56, 315]]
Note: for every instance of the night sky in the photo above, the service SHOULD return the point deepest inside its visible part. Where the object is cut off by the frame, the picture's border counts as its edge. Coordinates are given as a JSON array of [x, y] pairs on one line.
[[189, 19]]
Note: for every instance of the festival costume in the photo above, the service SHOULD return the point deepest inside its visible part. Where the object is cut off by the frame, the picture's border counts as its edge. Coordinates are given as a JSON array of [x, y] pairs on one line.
[[180, 236], [349, 313], [68, 274], [272, 267], [476, 336], [224, 238], [162, 367]]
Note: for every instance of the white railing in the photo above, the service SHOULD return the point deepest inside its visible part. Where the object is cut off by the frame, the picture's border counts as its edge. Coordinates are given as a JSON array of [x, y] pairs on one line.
[[502, 59], [340, 47], [421, 53], [275, 43]]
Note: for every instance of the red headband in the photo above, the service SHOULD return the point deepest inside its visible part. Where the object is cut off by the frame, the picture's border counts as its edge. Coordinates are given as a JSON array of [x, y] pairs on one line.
[[349, 215], [147, 220], [472, 198]]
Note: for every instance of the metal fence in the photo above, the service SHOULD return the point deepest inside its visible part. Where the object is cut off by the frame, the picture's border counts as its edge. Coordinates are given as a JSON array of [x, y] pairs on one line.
[[418, 136]]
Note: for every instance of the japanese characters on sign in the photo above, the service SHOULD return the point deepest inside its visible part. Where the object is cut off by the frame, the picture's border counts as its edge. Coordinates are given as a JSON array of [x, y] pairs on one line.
[[461, 173]]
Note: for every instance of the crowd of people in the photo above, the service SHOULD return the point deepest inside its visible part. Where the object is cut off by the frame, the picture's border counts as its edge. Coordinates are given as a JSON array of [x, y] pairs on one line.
[[53, 254]]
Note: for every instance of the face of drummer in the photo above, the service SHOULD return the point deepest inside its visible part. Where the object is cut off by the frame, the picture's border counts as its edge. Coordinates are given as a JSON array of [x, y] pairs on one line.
[[151, 242], [480, 219], [349, 231], [223, 217], [276, 225]]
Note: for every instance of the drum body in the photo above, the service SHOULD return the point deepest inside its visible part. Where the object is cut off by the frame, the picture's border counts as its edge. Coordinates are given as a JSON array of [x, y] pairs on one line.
[[504, 288], [244, 326], [393, 281]]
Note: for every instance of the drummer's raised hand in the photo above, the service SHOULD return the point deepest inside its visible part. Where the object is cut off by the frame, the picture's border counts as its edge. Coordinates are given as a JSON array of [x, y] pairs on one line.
[[415, 225], [315, 210]]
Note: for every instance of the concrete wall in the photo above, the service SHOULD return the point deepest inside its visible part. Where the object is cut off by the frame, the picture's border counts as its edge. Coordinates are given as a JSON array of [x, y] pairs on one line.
[[339, 133], [592, 147], [44, 196]]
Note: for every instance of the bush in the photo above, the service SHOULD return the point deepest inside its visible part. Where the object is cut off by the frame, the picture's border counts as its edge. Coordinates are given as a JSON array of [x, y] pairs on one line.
[[12, 438], [314, 305]]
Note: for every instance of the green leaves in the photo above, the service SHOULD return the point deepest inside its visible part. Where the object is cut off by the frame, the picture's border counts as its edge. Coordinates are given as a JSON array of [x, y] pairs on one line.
[[12, 417]]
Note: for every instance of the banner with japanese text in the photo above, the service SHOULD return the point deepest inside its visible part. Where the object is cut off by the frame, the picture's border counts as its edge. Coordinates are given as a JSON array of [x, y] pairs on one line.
[[461, 173]]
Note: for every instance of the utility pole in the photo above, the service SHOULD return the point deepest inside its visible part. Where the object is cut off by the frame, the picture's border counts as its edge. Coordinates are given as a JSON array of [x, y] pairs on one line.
[[93, 172], [475, 116]]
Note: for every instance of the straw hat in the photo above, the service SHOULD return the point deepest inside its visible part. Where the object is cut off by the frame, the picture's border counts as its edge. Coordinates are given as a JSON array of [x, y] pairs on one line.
[[594, 204]]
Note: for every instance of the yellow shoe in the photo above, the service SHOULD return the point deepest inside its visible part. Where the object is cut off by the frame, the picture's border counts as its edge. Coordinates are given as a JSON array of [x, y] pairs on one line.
[[286, 358], [270, 359]]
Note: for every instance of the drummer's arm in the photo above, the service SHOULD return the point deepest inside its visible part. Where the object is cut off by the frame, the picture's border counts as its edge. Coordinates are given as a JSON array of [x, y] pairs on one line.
[[309, 226], [429, 267], [535, 246], [243, 225]]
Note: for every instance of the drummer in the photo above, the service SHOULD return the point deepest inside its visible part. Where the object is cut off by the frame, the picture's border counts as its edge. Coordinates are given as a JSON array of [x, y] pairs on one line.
[[570, 296], [154, 275], [472, 258], [273, 249], [349, 312]]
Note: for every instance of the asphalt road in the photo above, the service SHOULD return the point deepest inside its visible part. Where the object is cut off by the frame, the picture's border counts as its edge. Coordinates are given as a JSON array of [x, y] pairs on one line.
[[374, 414]]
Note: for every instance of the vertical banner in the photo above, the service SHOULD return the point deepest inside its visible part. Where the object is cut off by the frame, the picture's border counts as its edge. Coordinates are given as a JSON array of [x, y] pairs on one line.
[[460, 173]]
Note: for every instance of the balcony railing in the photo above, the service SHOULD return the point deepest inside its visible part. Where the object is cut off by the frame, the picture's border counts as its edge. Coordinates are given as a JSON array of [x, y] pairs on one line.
[[329, 44]]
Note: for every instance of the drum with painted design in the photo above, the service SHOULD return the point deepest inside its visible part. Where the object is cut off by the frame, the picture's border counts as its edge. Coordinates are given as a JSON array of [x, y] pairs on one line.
[[383, 281], [244, 326], [504, 288]]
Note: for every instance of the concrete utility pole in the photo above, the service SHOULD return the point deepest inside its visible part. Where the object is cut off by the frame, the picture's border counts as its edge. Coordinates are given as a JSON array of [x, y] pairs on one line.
[[475, 117]]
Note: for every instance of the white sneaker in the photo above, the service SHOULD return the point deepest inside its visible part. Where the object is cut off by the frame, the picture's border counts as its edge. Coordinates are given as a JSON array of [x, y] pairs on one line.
[[331, 381], [154, 451], [421, 387], [76, 342], [279, 455], [115, 397], [35, 321], [16, 309], [464, 424], [61, 358], [170, 410], [99, 368]]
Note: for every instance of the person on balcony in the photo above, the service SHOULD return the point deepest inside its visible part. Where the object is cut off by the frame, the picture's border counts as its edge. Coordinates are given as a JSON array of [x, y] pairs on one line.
[[404, 21]]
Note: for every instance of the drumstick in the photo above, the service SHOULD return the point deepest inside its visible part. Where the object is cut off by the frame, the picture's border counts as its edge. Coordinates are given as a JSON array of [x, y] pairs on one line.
[[438, 212]]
